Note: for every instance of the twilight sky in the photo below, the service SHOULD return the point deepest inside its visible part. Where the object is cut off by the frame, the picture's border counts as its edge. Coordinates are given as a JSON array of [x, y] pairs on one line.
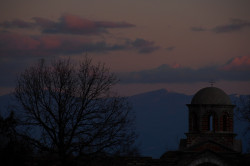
[[150, 44]]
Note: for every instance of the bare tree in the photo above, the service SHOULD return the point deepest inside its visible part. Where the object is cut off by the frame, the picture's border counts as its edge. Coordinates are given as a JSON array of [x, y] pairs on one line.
[[243, 114], [244, 109], [74, 108]]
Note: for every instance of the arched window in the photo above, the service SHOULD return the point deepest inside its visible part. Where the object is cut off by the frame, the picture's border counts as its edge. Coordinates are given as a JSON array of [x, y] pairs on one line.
[[225, 123], [194, 122], [210, 123]]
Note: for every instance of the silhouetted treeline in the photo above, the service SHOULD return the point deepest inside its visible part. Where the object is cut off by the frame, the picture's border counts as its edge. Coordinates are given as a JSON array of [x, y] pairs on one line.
[[14, 149], [67, 115], [243, 109]]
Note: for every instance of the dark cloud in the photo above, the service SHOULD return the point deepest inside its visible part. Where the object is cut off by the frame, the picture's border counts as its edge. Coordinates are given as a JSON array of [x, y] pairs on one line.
[[234, 25], [17, 23], [44, 23], [13, 44], [198, 29], [143, 45], [67, 24], [171, 48], [168, 74], [56, 41]]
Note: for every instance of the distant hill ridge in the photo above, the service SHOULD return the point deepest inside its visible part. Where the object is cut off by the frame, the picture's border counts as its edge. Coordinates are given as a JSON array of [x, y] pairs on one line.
[[161, 119]]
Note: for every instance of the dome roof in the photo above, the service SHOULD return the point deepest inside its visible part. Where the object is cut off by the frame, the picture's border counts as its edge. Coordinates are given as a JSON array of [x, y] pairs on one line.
[[211, 95]]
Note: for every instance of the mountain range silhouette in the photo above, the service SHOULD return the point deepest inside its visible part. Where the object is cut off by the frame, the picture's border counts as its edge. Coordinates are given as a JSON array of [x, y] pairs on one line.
[[161, 120]]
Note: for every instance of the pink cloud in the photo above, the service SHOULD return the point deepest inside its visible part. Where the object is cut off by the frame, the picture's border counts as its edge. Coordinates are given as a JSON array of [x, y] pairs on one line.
[[67, 24], [13, 44], [17, 44], [76, 23], [238, 63], [73, 24], [176, 65], [50, 42], [14, 41]]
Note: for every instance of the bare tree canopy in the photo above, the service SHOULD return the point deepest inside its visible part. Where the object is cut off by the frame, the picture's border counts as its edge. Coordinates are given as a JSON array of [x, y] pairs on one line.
[[74, 108], [244, 110], [243, 114]]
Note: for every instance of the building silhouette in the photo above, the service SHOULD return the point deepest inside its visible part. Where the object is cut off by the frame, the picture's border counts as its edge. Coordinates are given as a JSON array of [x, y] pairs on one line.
[[210, 139]]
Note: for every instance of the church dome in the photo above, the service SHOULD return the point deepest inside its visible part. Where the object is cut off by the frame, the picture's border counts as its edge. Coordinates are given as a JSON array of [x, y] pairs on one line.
[[211, 95]]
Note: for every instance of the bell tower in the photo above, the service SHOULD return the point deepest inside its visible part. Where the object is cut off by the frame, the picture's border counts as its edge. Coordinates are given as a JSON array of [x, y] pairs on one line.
[[211, 119], [210, 138]]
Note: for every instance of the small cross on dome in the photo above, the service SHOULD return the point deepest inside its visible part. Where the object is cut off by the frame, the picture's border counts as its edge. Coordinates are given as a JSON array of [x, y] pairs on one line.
[[212, 83]]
